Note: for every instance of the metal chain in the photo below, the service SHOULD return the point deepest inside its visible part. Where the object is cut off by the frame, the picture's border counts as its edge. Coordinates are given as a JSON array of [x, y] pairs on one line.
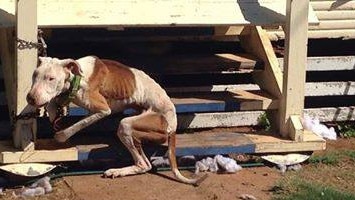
[[40, 44]]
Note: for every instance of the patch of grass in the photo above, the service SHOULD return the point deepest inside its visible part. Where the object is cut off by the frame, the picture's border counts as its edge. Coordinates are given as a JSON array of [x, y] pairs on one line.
[[350, 154], [297, 189], [328, 159], [346, 129], [333, 158], [264, 122]]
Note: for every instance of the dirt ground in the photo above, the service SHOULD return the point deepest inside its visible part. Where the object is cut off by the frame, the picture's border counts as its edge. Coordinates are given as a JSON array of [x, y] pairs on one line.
[[256, 181]]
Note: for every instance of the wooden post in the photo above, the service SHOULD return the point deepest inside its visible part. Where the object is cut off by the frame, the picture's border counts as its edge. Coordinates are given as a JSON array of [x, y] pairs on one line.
[[292, 100], [26, 60]]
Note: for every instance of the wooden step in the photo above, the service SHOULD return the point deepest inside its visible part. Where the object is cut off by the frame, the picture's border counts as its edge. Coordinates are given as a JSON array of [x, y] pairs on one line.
[[212, 143]]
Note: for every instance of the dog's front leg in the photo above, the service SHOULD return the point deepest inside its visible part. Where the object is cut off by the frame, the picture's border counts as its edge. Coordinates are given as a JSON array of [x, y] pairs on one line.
[[64, 135], [100, 109]]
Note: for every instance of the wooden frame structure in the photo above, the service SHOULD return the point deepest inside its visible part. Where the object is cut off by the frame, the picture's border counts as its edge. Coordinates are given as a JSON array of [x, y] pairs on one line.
[[287, 86]]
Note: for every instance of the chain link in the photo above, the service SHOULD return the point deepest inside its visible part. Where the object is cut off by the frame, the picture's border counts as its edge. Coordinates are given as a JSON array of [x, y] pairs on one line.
[[40, 44]]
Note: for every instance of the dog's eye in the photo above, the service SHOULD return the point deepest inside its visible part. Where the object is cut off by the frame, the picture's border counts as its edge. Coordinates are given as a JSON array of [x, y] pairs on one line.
[[51, 78]]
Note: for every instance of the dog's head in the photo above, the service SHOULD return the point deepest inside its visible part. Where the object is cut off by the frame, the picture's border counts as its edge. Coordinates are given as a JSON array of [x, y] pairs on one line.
[[50, 79]]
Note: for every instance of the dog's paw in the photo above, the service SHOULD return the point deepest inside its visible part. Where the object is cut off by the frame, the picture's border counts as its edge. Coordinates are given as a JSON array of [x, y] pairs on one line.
[[61, 136], [113, 173]]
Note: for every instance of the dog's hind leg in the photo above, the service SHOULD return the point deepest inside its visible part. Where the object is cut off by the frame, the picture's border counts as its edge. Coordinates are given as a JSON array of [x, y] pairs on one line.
[[148, 126]]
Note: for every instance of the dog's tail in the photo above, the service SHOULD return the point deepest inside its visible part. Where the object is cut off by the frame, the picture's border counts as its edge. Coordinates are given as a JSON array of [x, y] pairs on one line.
[[174, 167]]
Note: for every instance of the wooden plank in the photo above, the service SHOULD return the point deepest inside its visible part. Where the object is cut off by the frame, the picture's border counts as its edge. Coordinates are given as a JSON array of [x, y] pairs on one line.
[[213, 143], [316, 34], [255, 41], [334, 24], [143, 13], [228, 30], [327, 63], [278, 34], [335, 14], [309, 136], [332, 114], [223, 119], [295, 59], [330, 88], [333, 5], [255, 100], [8, 154], [296, 128]]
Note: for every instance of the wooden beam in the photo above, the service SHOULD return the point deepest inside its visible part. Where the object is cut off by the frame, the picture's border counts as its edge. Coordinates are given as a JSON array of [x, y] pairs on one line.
[[296, 128], [256, 42], [292, 101], [26, 57], [8, 154]]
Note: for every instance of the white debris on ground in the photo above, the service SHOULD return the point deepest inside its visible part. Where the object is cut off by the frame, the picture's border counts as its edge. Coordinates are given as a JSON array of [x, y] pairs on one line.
[[247, 197], [38, 188], [319, 129], [160, 161], [217, 163]]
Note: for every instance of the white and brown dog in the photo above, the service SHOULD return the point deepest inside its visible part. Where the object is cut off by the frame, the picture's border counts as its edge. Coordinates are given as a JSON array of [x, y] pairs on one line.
[[106, 87]]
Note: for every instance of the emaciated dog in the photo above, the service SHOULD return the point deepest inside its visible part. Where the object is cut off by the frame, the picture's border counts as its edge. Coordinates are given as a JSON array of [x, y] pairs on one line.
[[104, 87]]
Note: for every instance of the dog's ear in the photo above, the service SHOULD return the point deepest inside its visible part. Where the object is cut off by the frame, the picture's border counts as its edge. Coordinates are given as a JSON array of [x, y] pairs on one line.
[[40, 61], [72, 66]]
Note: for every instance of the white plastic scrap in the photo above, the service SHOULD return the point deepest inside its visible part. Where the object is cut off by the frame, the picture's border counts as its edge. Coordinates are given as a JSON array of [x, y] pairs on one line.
[[160, 161], [206, 164], [218, 162], [38, 188], [228, 164], [319, 129]]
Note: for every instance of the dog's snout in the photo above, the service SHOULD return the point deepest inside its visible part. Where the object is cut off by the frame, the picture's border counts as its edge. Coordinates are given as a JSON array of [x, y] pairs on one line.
[[30, 99]]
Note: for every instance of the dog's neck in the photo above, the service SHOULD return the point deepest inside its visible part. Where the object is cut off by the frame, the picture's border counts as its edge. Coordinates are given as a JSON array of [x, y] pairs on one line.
[[70, 90]]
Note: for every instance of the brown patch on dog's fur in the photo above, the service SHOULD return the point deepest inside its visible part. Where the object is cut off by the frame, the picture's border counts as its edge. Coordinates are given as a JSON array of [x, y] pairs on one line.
[[113, 79], [151, 127]]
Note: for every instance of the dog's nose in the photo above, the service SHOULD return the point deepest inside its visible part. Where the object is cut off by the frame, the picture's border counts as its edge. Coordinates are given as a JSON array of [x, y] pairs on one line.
[[30, 99]]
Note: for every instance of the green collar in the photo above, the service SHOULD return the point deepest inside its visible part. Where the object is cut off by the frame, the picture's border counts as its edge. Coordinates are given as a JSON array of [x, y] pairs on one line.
[[66, 97], [74, 87]]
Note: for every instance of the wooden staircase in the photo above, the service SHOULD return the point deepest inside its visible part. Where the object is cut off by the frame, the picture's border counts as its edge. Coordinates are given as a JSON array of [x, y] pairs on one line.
[[217, 90]]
